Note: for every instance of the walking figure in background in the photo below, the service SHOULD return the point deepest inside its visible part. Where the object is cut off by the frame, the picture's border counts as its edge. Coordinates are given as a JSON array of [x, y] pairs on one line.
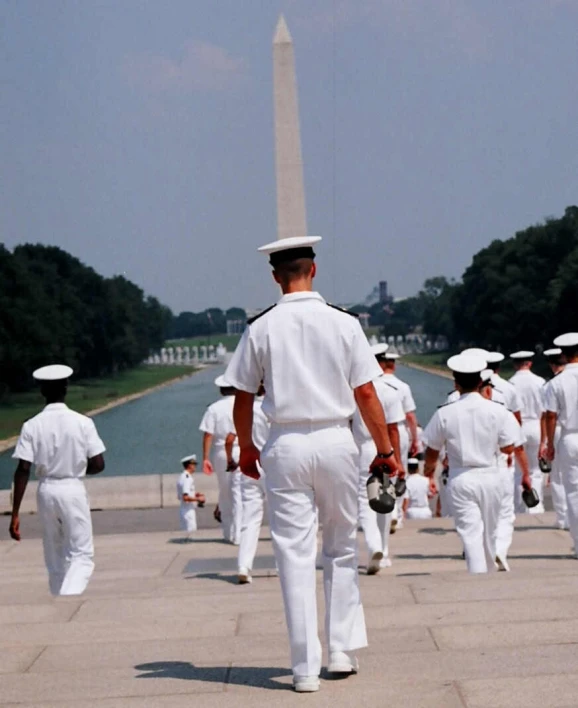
[[187, 496], [63, 446]]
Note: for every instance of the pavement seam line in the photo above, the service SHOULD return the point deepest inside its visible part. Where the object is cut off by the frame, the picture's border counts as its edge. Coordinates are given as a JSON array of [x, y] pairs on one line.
[[166, 570], [412, 591], [73, 615], [434, 640], [458, 688], [238, 625], [227, 676], [27, 669]]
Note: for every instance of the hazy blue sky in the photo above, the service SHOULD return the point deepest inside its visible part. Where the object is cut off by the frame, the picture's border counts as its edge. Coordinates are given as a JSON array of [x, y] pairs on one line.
[[138, 135]]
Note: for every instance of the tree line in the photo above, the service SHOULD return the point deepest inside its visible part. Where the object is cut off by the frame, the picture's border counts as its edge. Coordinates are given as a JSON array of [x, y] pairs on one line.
[[516, 294], [54, 308]]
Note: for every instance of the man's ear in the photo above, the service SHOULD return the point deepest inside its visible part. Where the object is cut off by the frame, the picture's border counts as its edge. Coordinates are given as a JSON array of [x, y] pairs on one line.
[[275, 277], [313, 270]]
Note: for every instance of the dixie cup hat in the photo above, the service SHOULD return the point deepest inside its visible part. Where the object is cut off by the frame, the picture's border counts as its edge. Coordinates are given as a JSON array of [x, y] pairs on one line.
[[54, 372], [466, 364]]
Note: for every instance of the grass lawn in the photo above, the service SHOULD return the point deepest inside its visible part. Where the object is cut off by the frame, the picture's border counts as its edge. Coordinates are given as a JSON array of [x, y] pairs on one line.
[[87, 395]]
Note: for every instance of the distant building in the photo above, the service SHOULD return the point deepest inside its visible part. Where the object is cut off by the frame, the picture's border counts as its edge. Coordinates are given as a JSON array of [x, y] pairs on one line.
[[364, 319], [383, 296], [236, 326]]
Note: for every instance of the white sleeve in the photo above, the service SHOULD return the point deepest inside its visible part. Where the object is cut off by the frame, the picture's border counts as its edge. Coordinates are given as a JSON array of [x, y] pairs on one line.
[[509, 433], [364, 367], [208, 421], [550, 399], [408, 402], [187, 487], [94, 445], [393, 410], [434, 435], [24, 448], [245, 371]]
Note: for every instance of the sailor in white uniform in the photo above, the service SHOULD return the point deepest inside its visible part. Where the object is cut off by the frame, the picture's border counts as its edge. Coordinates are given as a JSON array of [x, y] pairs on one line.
[[507, 516], [408, 441], [417, 494], [529, 388], [559, 502], [253, 496], [562, 409], [316, 364], [472, 429], [375, 526], [216, 424], [63, 446], [187, 496], [506, 389]]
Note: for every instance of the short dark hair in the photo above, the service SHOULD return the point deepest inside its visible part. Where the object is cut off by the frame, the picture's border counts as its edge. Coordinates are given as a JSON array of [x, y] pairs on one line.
[[54, 389], [569, 352], [291, 270], [467, 382]]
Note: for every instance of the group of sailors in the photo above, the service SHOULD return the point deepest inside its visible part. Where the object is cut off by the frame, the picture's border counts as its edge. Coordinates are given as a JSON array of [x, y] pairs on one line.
[[308, 412]]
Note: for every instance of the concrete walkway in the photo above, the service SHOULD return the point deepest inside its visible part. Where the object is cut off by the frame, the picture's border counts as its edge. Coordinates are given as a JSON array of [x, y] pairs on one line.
[[163, 625]]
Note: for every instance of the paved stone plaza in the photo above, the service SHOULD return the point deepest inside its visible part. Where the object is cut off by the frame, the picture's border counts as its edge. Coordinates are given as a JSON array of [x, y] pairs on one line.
[[164, 625]]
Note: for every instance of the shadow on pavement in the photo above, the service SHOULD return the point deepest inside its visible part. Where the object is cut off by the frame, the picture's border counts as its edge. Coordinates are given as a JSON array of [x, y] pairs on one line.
[[260, 677], [231, 579], [436, 531], [427, 556]]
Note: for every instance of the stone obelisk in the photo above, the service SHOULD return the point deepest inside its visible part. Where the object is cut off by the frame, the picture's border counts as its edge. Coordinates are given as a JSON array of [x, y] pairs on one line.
[[291, 216]]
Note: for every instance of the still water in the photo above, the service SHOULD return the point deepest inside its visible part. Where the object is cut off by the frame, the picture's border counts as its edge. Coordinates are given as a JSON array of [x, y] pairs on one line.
[[151, 434]]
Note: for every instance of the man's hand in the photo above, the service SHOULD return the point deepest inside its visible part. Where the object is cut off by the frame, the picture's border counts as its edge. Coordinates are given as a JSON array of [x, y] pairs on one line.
[[550, 453], [389, 462], [15, 527], [248, 460], [413, 448], [526, 481], [207, 467], [231, 465], [433, 489]]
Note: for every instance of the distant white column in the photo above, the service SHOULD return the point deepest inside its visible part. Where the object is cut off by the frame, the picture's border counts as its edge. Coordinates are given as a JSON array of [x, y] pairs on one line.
[[291, 215]]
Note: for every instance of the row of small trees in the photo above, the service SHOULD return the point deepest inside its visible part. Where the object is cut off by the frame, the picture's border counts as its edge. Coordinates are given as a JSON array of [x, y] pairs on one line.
[[515, 294], [54, 308]]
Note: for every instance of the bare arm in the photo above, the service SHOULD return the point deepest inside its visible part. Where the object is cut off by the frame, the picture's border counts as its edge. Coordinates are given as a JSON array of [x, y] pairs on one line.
[[518, 416], [21, 477], [551, 420], [243, 418], [393, 431], [429, 469], [229, 442], [411, 420], [374, 418], [95, 464], [522, 460], [207, 442]]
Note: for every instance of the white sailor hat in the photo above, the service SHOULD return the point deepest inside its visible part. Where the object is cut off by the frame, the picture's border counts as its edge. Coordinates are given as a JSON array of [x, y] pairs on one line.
[[413, 461], [54, 372], [495, 357], [466, 364], [288, 249], [556, 351], [475, 351], [523, 354], [379, 349], [222, 382], [570, 339], [486, 376], [189, 458], [392, 356]]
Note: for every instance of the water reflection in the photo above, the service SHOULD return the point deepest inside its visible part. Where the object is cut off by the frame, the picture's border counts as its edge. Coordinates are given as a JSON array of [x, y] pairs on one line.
[[151, 434]]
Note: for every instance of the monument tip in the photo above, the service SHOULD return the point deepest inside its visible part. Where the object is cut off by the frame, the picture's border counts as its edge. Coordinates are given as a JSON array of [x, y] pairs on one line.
[[282, 34]]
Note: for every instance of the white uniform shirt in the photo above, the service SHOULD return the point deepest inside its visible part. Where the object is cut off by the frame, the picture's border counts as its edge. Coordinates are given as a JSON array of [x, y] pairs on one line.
[[561, 396], [392, 407], [309, 356], [261, 425], [530, 397], [185, 485], [59, 442], [405, 392], [218, 420], [508, 391], [472, 429], [417, 488], [497, 397]]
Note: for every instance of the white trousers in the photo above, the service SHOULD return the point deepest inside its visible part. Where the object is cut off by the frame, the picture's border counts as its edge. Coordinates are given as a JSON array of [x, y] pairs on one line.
[[507, 515], [188, 517], [403, 443], [310, 468], [375, 526], [567, 453], [418, 512], [64, 513], [476, 498], [230, 502], [531, 429], [253, 496], [557, 487]]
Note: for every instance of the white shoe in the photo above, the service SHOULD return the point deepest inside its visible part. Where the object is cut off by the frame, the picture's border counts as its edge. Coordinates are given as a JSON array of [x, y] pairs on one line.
[[341, 662], [244, 576], [385, 562], [306, 684], [374, 563], [502, 564]]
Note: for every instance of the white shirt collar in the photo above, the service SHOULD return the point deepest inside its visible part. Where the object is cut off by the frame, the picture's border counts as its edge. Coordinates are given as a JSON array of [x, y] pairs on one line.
[[55, 407], [303, 295]]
